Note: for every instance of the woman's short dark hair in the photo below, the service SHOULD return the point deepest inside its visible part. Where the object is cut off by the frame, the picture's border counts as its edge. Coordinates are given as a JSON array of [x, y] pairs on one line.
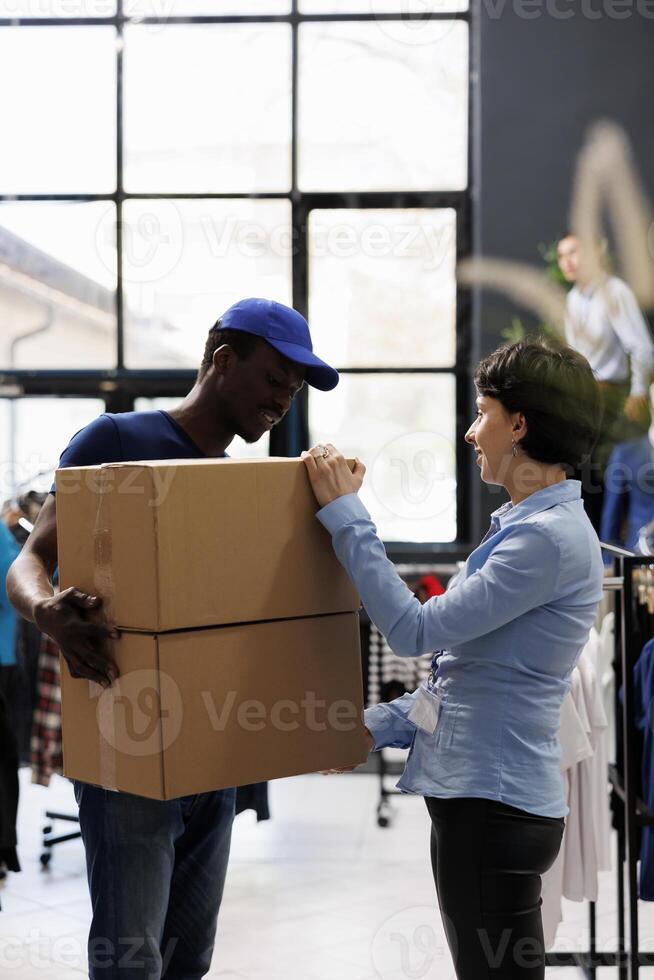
[[556, 390], [243, 344]]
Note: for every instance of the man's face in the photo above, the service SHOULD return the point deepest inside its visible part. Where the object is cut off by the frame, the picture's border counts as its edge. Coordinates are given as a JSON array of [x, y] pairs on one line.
[[568, 255], [257, 391]]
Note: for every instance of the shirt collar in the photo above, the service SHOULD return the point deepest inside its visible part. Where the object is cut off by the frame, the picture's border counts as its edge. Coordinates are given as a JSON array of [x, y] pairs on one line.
[[558, 493], [589, 290]]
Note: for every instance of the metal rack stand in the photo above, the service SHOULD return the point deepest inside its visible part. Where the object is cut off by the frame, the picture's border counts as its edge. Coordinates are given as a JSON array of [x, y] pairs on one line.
[[50, 840]]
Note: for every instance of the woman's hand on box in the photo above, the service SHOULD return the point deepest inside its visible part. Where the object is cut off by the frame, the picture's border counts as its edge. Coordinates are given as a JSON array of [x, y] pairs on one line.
[[83, 643], [330, 475]]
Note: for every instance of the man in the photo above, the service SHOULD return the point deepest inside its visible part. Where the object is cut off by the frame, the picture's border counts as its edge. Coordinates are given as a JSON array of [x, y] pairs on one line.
[[156, 869], [605, 324]]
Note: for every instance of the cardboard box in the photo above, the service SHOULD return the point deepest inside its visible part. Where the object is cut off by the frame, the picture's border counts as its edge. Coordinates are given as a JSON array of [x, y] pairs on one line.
[[206, 709], [190, 543]]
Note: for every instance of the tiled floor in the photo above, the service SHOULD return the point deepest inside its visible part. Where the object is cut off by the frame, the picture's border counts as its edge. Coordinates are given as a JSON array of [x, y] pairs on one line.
[[318, 893]]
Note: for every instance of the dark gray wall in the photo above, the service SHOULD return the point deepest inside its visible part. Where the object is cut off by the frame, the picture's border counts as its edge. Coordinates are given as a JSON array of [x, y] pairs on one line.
[[541, 83]]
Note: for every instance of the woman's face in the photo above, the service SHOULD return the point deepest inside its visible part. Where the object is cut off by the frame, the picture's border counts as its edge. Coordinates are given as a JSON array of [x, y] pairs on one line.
[[491, 435]]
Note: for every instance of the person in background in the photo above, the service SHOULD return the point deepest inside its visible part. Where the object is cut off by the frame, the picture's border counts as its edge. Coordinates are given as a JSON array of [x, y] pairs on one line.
[[482, 731], [21, 681], [8, 747], [605, 324], [9, 550]]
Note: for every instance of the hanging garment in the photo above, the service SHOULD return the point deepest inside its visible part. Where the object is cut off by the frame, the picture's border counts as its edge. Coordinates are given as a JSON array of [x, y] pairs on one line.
[[47, 757], [644, 716], [254, 797], [606, 673], [590, 852], [585, 849], [575, 748], [595, 772]]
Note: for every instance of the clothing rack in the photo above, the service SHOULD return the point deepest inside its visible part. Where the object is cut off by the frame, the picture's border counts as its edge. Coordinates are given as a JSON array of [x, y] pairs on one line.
[[628, 958], [386, 767]]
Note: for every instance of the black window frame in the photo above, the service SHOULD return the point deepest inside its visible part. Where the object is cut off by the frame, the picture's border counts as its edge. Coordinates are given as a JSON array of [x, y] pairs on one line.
[[119, 387]]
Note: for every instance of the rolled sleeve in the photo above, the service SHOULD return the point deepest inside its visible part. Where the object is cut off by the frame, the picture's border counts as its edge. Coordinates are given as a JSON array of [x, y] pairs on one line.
[[389, 725]]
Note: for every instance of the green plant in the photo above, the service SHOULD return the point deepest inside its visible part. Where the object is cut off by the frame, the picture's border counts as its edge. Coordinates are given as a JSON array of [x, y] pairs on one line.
[[550, 256]]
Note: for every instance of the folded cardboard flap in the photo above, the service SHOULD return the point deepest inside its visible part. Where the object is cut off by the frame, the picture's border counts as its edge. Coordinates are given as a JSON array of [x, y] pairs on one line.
[[206, 709], [190, 543]]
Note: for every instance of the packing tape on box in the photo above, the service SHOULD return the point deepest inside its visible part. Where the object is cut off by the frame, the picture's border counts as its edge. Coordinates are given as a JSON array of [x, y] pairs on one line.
[[106, 719], [103, 583], [103, 579]]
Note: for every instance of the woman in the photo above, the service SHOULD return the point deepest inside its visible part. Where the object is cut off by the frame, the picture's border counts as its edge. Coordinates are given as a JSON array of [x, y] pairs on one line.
[[483, 730]]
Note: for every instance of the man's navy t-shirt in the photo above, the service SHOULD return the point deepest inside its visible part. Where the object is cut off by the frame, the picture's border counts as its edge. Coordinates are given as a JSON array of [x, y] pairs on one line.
[[129, 437]]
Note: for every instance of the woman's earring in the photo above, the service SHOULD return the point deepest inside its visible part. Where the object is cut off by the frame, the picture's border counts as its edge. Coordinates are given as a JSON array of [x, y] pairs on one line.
[[515, 447]]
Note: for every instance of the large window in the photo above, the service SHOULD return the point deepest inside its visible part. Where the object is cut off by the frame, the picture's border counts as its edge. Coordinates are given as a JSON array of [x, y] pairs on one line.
[[32, 431], [163, 158]]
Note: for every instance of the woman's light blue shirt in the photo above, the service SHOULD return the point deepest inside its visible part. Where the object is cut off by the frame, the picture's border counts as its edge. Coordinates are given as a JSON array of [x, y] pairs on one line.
[[511, 628]]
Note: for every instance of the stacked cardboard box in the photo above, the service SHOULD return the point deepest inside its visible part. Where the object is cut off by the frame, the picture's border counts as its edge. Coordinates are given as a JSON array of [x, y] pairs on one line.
[[239, 656]]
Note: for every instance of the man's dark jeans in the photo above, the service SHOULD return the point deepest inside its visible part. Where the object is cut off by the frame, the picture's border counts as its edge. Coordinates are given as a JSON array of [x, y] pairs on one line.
[[156, 872]]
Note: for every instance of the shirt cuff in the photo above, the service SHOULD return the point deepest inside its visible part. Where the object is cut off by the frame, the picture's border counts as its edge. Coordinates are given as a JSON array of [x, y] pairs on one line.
[[389, 729], [342, 511], [376, 721]]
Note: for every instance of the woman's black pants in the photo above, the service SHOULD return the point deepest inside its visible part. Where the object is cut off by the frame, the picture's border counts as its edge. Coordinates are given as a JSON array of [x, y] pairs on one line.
[[488, 859]]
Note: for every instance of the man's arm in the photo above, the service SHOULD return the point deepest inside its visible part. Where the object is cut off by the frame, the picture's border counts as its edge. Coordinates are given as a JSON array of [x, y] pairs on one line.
[[634, 335], [69, 617]]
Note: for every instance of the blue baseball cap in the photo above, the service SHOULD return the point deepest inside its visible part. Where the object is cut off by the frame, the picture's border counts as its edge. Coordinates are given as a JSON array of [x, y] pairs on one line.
[[286, 330]]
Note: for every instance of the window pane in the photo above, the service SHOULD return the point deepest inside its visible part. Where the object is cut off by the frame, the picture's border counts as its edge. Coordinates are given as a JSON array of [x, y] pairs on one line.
[[57, 286], [239, 449], [221, 121], [382, 287], [189, 8], [185, 262], [42, 428], [59, 125], [383, 106], [403, 429], [422, 8], [58, 8]]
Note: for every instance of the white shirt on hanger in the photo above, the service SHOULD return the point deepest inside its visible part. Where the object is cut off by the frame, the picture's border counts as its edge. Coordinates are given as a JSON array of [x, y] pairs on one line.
[[575, 747], [585, 849]]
